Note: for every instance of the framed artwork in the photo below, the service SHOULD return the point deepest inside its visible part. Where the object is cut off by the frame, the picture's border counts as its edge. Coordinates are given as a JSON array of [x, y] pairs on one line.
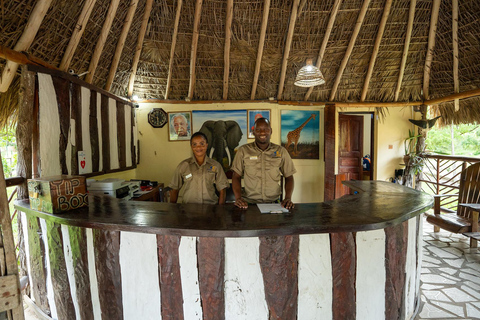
[[226, 130], [253, 115], [179, 126], [300, 133]]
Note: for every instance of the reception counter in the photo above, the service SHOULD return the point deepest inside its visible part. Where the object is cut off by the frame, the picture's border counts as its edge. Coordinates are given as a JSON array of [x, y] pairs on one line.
[[358, 257]]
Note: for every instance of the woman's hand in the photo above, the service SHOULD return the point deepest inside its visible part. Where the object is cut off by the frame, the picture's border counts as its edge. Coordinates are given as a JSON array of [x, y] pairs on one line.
[[241, 203], [287, 204]]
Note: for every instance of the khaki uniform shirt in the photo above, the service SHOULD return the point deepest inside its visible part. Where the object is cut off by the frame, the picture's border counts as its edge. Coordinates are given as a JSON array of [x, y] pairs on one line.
[[199, 182], [262, 171]]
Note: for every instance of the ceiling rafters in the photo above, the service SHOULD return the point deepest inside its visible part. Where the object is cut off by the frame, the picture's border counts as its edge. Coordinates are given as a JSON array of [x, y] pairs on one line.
[[431, 45], [261, 43], [326, 37], [138, 48], [112, 10], [358, 25], [288, 46], [172, 49], [406, 47], [456, 84], [193, 57], [26, 39], [121, 43], [77, 34], [226, 57], [376, 47]]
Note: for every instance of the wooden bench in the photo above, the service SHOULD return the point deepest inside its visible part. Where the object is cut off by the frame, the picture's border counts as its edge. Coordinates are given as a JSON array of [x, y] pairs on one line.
[[466, 218]]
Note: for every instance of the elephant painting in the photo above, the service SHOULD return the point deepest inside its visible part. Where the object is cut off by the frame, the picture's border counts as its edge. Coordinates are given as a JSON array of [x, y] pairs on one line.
[[223, 137]]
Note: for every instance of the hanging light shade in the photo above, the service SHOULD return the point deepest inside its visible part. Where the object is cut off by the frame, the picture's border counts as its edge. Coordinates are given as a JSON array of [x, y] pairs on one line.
[[309, 76]]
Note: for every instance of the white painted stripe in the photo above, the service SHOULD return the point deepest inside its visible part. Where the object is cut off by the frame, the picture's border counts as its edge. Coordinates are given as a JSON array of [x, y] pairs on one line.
[[112, 130], [23, 218], [135, 135], [187, 251], [314, 277], [410, 268], [99, 123], [67, 252], [371, 274], [128, 134], [49, 127], [139, 273], [87, 145], [50, 297], [92, 274], [244, 289]]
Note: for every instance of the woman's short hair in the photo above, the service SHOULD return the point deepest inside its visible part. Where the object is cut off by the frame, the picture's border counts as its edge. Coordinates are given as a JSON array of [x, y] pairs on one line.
[[198, 134]]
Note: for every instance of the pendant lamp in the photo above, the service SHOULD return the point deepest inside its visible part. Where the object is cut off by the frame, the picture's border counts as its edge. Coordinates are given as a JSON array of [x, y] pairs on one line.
[[309, 76]]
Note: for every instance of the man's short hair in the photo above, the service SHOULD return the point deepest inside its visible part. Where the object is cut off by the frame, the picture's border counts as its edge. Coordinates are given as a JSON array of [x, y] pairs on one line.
[[179, 115], [262, 119]]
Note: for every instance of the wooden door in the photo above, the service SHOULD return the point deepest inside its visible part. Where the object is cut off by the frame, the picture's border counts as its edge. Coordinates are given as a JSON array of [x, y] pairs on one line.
[[350, 150]]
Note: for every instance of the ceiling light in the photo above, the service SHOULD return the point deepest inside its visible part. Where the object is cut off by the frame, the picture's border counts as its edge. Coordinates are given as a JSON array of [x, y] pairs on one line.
[[309, 76]]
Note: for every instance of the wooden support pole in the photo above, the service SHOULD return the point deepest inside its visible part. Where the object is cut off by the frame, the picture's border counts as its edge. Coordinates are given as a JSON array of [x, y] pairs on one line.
[[408, 37], [452, 97], [77, 34], [323, 47], [26, 39], [431, 45], [23, 58], [288, 46], [193, 56], [456, 84], [226, 56], [138, 48], [376, 47], [358, 25], [121, 43], [112, 10], [172, 49], [261, 43]]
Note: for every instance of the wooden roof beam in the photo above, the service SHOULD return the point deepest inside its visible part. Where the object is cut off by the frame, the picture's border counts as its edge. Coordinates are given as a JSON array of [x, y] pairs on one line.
[[226, 56], [138, 48], [376, 47], [288, 46], [112, 10], [261, 43], [77, 34], [121, 43], [26, 39], [172, 49], [456, 84], [323, 47], [431, 45], [193, 57], [406, 46], [358, 25], [23, 58]]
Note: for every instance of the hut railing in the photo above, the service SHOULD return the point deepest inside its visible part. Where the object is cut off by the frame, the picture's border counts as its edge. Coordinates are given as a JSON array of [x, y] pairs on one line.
[[11, 182], [441, 175]]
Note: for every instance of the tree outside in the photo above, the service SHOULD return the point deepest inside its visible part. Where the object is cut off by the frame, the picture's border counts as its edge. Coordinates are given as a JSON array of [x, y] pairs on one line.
[[463, 139]]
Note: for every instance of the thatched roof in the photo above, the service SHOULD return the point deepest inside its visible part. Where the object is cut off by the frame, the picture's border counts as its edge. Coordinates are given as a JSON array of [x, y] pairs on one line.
[[288, 38]]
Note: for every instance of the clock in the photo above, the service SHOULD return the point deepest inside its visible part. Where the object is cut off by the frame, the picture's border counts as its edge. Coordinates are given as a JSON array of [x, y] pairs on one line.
[[157, 117]]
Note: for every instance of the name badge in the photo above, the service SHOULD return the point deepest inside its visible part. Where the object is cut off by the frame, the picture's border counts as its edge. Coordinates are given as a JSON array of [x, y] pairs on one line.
[[188, 176], [253, 158]]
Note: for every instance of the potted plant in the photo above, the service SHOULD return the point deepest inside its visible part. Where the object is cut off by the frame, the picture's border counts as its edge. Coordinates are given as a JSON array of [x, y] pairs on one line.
[[410, 145]]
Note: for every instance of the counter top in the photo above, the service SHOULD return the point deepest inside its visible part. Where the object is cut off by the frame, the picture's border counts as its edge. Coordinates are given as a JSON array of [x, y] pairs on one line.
[[378, 205]]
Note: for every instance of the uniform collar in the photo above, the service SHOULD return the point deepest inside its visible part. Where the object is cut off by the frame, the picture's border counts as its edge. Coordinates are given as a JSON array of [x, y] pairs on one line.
[[194, 161], [257, 148]]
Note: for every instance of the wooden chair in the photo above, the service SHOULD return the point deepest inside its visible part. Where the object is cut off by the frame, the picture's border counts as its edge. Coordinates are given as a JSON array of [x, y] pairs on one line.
[[465, 219]]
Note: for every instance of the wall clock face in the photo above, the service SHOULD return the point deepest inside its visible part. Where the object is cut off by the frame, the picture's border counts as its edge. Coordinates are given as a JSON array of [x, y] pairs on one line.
[[157, 117]]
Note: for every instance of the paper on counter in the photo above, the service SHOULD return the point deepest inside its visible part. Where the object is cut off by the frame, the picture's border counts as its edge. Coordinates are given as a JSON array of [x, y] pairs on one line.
[[271, 208]]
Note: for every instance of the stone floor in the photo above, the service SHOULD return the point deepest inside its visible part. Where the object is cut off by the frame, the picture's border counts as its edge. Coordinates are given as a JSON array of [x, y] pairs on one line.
[[450, 280]]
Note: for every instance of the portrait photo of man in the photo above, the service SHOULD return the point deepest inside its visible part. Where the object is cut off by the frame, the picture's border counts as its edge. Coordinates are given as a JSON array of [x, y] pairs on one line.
[[179, 126]]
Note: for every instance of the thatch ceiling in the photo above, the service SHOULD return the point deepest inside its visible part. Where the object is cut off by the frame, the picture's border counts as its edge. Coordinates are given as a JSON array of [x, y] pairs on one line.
[[346, 75]]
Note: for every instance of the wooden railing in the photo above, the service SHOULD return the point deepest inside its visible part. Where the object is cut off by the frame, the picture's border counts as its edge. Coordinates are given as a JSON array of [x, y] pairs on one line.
[[10, 182], [441, 175]]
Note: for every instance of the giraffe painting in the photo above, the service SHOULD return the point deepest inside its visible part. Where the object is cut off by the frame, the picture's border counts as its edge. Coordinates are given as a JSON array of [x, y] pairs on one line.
[[294, 135]]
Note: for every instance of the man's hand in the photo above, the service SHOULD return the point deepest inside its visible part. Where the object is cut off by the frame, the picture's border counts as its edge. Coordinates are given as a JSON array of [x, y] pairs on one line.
[[241, 203], [288, 204]]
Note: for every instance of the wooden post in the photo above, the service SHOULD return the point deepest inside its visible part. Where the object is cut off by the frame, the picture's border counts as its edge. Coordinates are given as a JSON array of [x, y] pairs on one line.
[[193, 55], [261, 43], [408, 37], [421, 146], [226, 56], [172, 48]]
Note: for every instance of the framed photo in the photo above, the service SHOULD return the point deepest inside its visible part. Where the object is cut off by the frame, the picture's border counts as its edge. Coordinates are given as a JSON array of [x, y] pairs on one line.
[[300, 133], [179, 126], [253, 115]]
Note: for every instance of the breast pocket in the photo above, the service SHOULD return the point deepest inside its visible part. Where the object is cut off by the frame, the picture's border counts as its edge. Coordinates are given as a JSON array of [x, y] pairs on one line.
[[273, 168], [251, 167]]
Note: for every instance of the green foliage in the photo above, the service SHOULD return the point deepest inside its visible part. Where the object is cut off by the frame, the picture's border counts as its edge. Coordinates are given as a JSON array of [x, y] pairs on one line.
[[7, 142], [466, 140]]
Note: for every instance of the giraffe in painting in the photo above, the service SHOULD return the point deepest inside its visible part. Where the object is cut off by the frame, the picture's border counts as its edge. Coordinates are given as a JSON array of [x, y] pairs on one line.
[[294, 135]]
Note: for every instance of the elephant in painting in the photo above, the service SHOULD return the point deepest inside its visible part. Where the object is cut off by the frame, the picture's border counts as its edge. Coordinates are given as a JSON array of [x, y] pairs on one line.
[[223, 137]]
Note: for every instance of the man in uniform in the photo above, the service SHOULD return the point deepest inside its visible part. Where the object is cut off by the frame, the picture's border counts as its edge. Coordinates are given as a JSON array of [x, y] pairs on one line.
[[262, 163]]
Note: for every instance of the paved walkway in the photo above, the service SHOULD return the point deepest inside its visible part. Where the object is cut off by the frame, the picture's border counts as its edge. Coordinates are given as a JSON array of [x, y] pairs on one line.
[[450, 280]]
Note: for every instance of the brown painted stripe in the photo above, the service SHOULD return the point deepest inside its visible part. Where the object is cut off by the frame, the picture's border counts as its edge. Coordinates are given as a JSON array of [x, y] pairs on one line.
[[344, 271], [62, 92], [395, 259], [279, 264], [121, 139], [94, 137], [38, 273], [211, 272], [169, 274], [132, 147], [76, 115], [105, 134], [78, 243], [58, 269], [107, 247]]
